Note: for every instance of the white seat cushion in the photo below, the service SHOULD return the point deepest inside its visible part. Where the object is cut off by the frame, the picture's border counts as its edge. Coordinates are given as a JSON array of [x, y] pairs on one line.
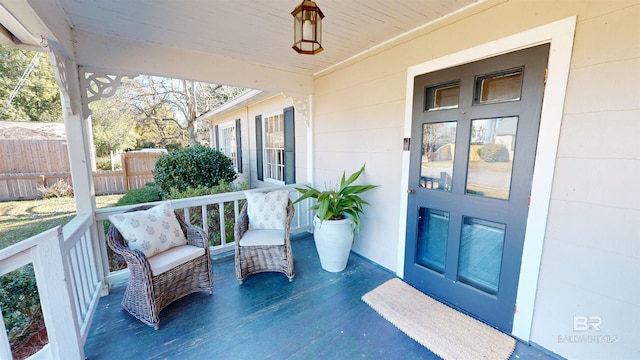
[[263, 237], [173, 257]]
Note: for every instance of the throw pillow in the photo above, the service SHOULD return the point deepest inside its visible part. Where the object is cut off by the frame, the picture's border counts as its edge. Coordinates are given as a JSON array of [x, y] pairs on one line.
[[151, 231], [267, 210]]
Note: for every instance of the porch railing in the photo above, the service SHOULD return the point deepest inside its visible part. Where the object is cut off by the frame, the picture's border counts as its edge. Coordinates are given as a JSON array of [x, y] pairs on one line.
[[68, 285], [302, 221]]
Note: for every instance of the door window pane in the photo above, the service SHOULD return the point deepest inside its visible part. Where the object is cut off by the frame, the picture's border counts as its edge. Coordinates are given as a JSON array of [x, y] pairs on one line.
[[444, 96], [481, 254], [491, 157], [498, 87], [433, 232], [438, 145]]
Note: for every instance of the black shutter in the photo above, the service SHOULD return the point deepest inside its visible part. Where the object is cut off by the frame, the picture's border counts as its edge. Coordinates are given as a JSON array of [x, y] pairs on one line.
[[238, 146], [260, 173], [289, 146], [216, 138]]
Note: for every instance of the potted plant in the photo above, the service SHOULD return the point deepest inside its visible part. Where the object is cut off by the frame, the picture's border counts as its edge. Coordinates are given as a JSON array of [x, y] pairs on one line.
[[336, 219]]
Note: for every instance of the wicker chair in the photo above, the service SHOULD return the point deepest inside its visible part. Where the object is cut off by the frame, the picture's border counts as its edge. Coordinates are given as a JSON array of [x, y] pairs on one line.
[[262, 258], [146, 295]]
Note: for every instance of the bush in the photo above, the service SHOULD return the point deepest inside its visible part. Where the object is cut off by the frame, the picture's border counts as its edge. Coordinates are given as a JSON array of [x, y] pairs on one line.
[[193, 167], [104, 163], [20, 302], [494, 153], [59, 189], [213, 210], [150, 192], [173, 147]]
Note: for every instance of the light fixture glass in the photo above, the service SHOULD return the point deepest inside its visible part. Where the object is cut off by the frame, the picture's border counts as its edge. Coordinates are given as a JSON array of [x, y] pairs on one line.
[[307, 28]]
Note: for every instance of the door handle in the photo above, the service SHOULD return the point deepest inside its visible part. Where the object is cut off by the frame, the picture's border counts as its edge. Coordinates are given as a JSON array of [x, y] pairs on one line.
[[410, 191]]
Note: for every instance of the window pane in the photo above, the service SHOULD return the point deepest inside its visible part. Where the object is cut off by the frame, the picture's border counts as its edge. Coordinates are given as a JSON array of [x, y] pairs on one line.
[[228, 143], [437, 155], [433, 232], [445, 96], [491, 157], [500, 87], [481, 254], [274, 147]]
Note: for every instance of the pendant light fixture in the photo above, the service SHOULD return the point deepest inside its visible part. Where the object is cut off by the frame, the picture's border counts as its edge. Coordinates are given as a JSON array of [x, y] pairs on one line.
[[307, 28]]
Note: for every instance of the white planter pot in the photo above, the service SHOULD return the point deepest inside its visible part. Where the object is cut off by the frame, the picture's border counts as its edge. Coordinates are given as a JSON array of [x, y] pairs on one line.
[[333, 240]]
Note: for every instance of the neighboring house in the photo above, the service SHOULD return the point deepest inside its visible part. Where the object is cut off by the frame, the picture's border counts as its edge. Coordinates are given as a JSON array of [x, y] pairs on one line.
[[564, 224]]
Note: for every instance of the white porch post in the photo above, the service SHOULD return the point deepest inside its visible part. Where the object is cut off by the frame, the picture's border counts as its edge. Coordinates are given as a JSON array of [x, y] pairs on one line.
[[79, 143], [66, 73]]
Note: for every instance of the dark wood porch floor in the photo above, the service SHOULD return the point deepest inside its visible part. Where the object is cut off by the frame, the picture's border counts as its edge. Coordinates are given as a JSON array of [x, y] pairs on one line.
[[318, 316]]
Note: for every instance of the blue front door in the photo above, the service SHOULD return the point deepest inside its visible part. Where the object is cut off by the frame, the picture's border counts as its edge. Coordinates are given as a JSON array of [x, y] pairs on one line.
[[474, 136]]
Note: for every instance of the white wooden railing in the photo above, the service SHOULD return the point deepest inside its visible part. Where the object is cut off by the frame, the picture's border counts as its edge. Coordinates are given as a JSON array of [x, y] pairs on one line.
[[302, 221], [68, 285], [72, 269]]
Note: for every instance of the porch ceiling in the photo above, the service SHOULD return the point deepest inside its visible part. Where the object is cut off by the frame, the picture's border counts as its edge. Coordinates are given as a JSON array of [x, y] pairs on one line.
[[240, 36]]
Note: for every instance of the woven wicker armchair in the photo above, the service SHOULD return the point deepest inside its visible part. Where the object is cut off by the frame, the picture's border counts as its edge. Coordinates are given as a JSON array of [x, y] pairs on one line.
[[146, 295], [263, 258]]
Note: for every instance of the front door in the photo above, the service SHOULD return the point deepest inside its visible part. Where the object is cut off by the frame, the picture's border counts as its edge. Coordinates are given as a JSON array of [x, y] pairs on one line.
[[473, 144]]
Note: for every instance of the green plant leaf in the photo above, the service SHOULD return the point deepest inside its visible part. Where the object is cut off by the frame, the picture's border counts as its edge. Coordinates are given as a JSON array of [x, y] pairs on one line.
[[340, 203]]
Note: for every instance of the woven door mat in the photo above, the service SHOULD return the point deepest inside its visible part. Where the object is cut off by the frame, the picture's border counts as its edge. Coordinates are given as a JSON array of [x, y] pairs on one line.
[[446, 332]]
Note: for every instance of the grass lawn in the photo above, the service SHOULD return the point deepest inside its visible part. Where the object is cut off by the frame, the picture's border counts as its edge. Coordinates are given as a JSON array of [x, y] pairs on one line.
[[19, 220]]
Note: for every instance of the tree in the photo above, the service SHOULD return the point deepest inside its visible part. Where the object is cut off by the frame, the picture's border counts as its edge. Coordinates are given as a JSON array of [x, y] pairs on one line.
[[38, 98], [113, 126], [181, 102]]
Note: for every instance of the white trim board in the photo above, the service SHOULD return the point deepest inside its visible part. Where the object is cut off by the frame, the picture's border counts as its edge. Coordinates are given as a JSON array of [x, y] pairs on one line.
[[559, 35]]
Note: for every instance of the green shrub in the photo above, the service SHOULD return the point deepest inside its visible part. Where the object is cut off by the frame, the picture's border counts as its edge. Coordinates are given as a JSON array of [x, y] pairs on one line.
[[104, 163], [142, 143], [213, 210], [173, 147], [195, 166], [20, 302], [494, 153], [150, 192]]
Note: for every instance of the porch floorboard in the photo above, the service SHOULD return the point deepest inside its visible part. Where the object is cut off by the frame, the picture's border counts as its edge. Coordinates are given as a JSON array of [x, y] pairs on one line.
[[318, 316]]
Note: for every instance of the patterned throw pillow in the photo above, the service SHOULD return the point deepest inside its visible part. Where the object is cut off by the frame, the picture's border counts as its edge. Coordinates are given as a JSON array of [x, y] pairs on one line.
[[151, 231], [267, 210]]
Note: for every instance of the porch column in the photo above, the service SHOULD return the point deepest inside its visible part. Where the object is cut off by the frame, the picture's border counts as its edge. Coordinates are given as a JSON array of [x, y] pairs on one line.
[[77, 128], [78, 133], [303, 104]]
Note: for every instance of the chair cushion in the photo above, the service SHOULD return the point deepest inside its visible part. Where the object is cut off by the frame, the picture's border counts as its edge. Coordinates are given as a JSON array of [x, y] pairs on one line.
[[263, 237], [173, 257], [151, 231], [267, 210]]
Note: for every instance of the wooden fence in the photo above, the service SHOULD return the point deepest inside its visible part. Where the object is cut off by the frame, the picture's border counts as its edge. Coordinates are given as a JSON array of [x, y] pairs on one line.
[[33, 156], [137, 171]]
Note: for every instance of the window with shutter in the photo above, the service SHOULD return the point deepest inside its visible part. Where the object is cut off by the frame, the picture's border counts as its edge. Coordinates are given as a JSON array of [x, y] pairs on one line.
[[275, 146]]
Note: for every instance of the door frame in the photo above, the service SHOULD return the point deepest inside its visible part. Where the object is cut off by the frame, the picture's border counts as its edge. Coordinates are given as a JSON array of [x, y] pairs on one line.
[[559, 35]]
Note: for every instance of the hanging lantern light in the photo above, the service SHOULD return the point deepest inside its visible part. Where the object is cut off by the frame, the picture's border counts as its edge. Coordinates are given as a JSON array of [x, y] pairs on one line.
[[307, 28]]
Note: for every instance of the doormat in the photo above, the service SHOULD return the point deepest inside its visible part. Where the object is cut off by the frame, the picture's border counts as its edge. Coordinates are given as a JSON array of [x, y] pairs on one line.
[[446, 332]]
